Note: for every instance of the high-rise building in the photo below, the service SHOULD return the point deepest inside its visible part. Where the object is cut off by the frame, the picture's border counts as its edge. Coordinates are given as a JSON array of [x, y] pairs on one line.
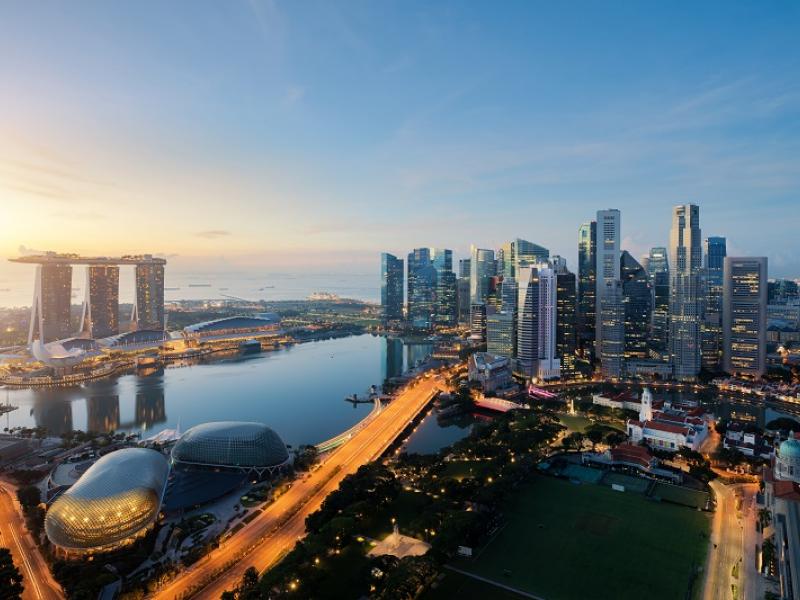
[[500, 332], [566, 322], [612, 321], [607, 260], [482, 268], [100, 315], [745, 315], [464, 267], [781, 291], [148, 310], [446, 309], [477, 322], [536, 322], [52, 300], [714, 251], [685, 291], [421, 286], [517, 253], [446, 299], [587, 292], [391, 287], [637, 300], [462, 300], [658, 269]]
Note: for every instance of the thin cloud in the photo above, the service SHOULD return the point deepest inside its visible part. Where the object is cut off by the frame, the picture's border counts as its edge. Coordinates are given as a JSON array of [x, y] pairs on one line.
[[213, 234]]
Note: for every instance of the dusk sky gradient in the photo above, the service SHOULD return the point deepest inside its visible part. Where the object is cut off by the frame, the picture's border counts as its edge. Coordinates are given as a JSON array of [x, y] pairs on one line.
[[313, 135]]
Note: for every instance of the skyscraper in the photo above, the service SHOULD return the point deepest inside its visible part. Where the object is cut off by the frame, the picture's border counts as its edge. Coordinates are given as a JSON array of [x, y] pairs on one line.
[[464, 267], [745, 315], [100, 315], [587, 292], [637, 300], [517, 253], [52, 299], [482, 268], [500, 332], [612, 321], [148, 311], [607, 261], [714, 251], [658, 269], [566, 323], [536, 322], [421, 284], [391, 287], [462, 300], [446, 309], [685, 288]]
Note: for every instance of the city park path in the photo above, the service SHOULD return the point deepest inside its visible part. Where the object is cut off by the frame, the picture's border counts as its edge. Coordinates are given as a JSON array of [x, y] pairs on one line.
[[263, 541]]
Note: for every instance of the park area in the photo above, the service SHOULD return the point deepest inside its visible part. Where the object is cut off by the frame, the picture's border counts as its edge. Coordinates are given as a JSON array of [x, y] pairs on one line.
[[569, 541]]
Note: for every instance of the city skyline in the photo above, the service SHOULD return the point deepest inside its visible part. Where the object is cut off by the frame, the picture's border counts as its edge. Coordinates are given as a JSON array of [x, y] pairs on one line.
[[362, 139]]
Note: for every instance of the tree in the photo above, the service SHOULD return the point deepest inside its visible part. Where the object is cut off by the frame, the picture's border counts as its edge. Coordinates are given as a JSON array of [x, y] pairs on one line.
[[614, 438], [10, 577], [29, 496], [576, 438], [595, 436], [764, 517]]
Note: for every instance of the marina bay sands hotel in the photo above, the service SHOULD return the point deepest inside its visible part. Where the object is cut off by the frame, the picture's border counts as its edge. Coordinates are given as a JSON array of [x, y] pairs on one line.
[[52, 295]]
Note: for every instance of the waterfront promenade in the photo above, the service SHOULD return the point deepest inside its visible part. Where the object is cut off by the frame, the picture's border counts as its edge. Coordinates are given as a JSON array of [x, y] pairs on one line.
[[274, 532]]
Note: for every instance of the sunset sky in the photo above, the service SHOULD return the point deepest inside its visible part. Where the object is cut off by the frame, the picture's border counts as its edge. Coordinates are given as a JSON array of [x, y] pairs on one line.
[[297, 135]]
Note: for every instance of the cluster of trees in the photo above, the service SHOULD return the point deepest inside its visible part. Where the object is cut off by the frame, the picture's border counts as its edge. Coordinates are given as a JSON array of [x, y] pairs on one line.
[[10, 577], [30, 498], [330, 561], [305, 457]]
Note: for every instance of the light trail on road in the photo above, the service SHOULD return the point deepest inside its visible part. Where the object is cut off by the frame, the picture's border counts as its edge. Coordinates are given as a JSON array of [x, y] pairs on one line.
[[263, 541]]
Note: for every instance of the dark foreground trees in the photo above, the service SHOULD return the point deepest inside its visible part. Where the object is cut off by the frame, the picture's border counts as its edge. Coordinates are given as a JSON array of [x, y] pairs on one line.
[[10, 578]]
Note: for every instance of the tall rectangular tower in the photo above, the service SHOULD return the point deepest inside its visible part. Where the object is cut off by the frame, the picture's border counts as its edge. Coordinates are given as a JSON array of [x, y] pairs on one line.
[[391, 287], [148, 310], [607, 262], [100, 316], [744, 321], [685, 291], [587, 292], [52, 299]]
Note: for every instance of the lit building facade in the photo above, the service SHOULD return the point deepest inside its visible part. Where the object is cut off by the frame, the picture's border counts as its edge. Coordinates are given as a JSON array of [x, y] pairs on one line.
[[501, 334], [612, 320], [52, 300], [685, 292], [745, 315], [637, 300], [536, 322], [714, 251], [587, 293], [658, 269], [566, 321], [421, 293], [148, 310], [446, 310], [100, 315], [391, 287], [607, 262]]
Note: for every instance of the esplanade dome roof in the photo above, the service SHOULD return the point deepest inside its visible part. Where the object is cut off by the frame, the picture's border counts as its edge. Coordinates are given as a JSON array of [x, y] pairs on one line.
[[240, 444], [116, 499]]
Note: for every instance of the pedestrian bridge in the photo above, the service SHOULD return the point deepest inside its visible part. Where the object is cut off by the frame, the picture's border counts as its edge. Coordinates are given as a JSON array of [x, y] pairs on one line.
[[497, 404]]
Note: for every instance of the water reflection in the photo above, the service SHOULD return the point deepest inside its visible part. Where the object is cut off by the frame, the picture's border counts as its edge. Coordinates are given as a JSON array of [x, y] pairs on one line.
[[299, 391]]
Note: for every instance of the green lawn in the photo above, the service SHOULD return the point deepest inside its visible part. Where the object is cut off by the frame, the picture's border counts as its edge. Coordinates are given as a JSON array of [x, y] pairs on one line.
[[680, 495], [456, 585], [564, 541], [574, 422]]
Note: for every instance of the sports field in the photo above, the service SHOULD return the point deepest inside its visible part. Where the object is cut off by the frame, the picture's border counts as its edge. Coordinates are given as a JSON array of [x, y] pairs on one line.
[[564, 541]]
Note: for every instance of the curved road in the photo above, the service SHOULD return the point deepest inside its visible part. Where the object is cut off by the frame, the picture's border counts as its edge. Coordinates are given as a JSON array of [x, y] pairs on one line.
[[37, 579], [264, 540]]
